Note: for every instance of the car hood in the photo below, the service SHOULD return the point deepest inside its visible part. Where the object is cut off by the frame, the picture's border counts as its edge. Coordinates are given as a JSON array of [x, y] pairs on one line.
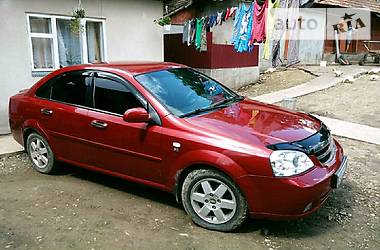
[[254, 122]]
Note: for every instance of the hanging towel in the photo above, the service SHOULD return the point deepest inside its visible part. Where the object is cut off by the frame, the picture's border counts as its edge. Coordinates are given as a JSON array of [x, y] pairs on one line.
[[198, 32], [242, 28], [259, 20], [269, 26]]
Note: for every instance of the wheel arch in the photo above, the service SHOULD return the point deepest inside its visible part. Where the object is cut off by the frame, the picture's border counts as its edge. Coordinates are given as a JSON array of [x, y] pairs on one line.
[[221, 163], [31, 126]]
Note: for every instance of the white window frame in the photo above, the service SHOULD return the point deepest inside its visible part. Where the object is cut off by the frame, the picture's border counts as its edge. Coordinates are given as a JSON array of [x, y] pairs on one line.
[[53, 35]]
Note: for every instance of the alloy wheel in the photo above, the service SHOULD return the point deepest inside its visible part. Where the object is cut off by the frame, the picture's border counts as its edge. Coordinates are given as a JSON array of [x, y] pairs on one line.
[[39, 153], [213, 201]]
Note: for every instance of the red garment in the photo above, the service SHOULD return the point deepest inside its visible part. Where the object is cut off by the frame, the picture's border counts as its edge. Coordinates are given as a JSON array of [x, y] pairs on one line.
[[259, 20], [227, 14]]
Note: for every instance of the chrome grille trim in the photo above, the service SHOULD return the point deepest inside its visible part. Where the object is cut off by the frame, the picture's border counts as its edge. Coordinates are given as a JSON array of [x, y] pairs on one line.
[[330, 153]]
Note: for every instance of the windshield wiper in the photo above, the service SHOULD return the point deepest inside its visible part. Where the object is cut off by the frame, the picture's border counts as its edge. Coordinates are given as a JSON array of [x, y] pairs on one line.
[[225, 101], [197, 111], [221, 104]]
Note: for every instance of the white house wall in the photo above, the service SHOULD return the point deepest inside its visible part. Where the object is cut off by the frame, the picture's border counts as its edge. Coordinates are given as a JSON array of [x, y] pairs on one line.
[[130, 35]]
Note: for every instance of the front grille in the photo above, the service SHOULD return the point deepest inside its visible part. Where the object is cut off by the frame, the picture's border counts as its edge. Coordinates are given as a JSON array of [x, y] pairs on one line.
[[325, 151]]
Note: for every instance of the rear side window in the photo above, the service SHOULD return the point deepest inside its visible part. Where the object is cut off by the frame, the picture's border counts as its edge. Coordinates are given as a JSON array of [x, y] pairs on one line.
[[45, 90], [113, 96], [71, 88]]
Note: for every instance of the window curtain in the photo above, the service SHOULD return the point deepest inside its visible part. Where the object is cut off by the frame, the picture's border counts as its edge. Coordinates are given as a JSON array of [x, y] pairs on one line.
[[42, 47], [42, 53], [93, 32], [69, 46]]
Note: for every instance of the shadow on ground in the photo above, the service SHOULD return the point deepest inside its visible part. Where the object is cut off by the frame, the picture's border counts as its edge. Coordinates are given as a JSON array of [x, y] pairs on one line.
[[322, 221]]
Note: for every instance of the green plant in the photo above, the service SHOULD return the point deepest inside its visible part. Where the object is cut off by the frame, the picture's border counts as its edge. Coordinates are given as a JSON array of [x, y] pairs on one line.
[[163, 21], [75, 25]]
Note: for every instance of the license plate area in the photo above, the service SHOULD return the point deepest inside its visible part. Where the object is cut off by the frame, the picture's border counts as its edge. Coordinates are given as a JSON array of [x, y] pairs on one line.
[[338, 175]]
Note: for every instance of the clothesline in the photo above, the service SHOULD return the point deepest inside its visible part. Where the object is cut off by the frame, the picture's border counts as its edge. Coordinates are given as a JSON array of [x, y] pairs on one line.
[[244, 27], [253, 23]]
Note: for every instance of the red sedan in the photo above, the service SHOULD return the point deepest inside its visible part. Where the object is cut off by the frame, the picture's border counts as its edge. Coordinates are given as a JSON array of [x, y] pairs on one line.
[[168, 126]]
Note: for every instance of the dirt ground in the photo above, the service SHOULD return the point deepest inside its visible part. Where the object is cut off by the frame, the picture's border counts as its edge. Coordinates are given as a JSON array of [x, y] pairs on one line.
[[78, 209], [357, 102], [278, 80]]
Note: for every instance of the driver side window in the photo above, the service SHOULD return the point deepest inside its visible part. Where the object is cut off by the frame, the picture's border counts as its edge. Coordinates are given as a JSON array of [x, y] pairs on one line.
[[113, 96]]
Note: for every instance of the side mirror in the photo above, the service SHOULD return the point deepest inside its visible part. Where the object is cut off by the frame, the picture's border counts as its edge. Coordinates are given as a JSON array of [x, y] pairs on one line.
[[136, 115]]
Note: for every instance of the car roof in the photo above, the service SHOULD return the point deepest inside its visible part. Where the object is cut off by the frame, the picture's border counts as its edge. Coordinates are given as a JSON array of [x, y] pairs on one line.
[[133, 68]]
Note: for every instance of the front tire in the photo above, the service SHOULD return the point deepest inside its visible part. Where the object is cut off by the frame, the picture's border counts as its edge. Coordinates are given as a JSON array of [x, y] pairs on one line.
[[40, 154], [213, 200]]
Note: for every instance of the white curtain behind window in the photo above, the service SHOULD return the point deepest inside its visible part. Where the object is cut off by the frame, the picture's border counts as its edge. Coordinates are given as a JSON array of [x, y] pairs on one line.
[[94, 45], [69, 47], [41, 47]]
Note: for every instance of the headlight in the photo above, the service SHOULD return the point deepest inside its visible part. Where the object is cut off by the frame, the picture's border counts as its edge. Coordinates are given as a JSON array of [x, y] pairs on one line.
[[289, 162]]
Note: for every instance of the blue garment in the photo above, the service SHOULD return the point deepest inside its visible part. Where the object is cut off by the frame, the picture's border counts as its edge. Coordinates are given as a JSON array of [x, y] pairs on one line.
[[212, 89], [212, 21], [242, 28]]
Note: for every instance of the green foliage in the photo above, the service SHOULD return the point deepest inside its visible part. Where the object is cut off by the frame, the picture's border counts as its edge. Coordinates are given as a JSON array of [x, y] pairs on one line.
[[75, 25], [163, 21]]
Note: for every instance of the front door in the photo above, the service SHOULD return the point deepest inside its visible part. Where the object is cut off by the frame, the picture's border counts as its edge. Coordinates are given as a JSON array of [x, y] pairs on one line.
[[131, 149]]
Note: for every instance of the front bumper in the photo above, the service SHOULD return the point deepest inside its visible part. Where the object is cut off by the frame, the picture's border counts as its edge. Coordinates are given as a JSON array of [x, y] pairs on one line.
[[294, 197]]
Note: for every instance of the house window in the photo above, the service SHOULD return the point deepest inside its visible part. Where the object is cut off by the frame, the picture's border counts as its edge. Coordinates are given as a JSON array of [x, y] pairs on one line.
[[55, 45]]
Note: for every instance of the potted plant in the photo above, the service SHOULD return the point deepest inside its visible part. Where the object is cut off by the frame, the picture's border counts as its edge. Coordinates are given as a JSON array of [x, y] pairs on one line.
[[75, 22], [164, 22]]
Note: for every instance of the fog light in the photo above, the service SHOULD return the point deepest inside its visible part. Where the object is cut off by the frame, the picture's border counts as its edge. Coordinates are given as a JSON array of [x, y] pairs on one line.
[[308, 206]]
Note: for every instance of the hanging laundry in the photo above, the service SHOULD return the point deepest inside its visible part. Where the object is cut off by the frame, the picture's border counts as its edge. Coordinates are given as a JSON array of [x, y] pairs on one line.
[[212, 21], [198, 32], [278, 32], [203, 45], [219, 18], [269, 26], [189, 29], [227, 14], [294, 27], [259, 20], [193, 26], [224, 16], [232, 13], [242, 28], [185, 34]]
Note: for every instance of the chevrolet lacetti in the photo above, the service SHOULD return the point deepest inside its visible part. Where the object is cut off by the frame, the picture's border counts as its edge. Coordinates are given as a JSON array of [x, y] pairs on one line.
[[225, 157]]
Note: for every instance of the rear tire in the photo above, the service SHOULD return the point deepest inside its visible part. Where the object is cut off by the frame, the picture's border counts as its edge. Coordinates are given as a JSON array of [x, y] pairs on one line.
[[213, 200], [40, 154]]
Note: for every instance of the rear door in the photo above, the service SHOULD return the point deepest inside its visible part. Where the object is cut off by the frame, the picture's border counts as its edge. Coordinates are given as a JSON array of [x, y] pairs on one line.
[[132, 149], [63, 106]]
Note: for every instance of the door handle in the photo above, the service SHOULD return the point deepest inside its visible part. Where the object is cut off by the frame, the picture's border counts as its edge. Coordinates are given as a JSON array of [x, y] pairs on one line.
[[99, 124], [46, 111]]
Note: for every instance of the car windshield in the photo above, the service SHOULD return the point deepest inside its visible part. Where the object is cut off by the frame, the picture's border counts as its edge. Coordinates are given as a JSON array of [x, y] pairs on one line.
[[186, 92]]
